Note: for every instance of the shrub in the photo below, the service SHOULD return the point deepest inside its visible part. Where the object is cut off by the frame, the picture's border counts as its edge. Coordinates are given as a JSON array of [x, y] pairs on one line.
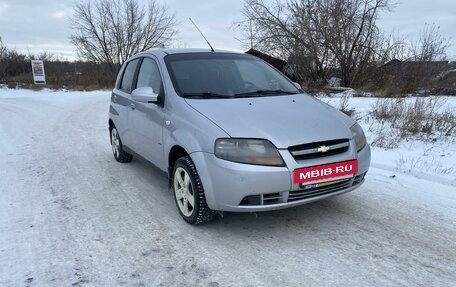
[[420, 117], [345, 108]]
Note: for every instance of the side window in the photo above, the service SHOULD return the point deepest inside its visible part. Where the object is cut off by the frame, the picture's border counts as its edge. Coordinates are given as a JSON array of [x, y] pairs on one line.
[[149, 76], [129, 73]]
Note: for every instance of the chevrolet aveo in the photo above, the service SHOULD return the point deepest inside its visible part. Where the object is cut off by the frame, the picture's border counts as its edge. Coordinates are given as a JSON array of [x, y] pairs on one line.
[[232, 132]]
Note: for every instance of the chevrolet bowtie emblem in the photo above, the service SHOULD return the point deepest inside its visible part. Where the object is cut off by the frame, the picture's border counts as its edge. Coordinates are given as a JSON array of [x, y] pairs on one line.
[[323, 148]]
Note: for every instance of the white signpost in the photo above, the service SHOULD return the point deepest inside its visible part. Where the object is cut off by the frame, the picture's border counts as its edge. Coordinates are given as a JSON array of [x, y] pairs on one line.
[[38, 72]]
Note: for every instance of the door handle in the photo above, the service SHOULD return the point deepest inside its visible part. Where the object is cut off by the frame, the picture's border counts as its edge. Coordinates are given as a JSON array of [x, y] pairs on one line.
[[132, 106]]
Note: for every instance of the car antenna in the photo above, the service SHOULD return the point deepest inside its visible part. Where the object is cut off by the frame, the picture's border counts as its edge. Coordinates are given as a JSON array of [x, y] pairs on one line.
[[212, 49]]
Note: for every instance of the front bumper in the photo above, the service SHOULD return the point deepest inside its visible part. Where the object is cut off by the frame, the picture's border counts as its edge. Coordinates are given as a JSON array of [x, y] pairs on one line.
[[239, 187]]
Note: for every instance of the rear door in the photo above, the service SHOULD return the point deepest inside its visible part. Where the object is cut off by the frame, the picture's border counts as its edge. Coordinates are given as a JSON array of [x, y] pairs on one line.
[[121, 101], [147, 118]]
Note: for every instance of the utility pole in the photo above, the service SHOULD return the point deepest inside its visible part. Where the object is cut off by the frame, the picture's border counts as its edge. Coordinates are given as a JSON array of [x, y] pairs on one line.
[[251, 34]]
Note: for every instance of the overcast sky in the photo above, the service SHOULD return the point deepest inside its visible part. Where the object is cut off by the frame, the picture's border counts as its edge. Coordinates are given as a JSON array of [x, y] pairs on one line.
[[42, 25]]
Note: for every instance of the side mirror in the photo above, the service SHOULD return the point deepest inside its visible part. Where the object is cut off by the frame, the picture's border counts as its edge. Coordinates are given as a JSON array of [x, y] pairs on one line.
[[297, 85], [144, 95]]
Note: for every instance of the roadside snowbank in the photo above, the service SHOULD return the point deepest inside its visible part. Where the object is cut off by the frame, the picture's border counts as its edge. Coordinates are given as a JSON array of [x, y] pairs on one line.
[[428, 159]]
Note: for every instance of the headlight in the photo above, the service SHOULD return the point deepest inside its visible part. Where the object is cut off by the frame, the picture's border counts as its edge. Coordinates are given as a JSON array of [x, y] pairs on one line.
[[250, 151], [358, 136]]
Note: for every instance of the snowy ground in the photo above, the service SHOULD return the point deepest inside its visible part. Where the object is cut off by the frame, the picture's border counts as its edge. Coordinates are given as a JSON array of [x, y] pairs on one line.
[[71, 215]]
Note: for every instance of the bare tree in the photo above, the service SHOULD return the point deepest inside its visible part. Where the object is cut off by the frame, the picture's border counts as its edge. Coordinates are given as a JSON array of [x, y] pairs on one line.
[[3, 49], [431, 46], [390, 47], [109, 32], [277, 31], [45, 56], [318, 35]]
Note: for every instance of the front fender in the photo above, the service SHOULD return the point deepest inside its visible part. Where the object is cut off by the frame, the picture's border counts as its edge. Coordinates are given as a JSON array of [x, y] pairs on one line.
[[184, 139], [194, 132]]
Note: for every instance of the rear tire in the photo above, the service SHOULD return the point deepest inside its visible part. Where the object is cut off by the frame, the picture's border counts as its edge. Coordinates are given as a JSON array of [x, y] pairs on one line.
[[189, 193], [117, 148]]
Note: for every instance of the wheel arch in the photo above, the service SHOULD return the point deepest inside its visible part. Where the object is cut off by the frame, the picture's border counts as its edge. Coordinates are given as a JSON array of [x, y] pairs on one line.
[[176, 152], [179, 143], [111, 124]]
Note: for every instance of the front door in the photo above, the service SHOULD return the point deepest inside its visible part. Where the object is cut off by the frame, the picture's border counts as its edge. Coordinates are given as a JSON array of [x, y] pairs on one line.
[[147, 118]]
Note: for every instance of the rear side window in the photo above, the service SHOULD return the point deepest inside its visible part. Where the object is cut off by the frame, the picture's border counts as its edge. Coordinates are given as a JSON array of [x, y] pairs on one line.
[[127, 79]]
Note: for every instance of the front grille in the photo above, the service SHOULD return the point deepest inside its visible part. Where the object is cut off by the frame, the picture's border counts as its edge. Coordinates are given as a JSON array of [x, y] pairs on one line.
[[314, 190], [261, 199], [271, 198], [317, 191], [359, 178], [308, 191], [319, 149]]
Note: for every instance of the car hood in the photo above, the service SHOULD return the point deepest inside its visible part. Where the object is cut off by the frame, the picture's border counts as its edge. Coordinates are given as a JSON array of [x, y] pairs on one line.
[[284, 120]]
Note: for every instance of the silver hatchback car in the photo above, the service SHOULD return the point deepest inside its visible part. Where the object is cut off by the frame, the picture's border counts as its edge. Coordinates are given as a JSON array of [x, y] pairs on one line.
[[232, 132]]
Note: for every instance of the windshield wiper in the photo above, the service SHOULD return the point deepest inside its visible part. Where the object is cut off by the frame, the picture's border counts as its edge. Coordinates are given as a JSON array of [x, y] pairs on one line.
[[205, 95], [265, 92]]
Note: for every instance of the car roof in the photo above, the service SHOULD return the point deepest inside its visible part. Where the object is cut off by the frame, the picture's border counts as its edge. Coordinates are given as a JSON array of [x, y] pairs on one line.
[[169, 51]]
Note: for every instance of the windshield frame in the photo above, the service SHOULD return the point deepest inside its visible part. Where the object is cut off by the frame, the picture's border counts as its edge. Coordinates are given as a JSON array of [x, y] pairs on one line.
[[168, 59]]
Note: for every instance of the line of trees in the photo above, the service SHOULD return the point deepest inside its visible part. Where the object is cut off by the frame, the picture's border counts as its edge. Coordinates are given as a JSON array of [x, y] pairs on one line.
[[15, 70], [318, 38], [321, 37], [105, 34]]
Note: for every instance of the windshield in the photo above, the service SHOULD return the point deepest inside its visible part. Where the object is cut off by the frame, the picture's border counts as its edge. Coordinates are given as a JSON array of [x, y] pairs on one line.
[[224, 75]]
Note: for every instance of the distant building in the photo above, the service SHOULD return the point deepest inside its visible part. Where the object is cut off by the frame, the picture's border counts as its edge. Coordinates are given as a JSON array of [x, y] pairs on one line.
[[396, 65], [275, 62]]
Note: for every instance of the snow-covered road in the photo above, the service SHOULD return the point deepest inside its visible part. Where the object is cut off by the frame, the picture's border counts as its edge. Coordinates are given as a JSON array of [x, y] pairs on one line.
[[71, 215]]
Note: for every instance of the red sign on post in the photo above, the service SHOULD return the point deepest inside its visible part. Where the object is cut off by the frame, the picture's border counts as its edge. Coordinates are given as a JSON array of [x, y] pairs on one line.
[[326, 171]]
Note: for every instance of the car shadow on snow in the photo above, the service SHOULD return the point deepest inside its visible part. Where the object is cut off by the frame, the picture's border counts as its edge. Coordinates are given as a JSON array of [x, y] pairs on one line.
[[328, 213]]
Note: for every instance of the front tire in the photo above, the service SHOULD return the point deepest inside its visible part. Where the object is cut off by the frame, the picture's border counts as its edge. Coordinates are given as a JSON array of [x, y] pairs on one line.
[[189, 193], [117, 148]]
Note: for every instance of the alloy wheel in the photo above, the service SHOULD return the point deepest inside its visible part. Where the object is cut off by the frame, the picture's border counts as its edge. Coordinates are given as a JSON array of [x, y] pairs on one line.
[[115, 143], [184, 191]]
